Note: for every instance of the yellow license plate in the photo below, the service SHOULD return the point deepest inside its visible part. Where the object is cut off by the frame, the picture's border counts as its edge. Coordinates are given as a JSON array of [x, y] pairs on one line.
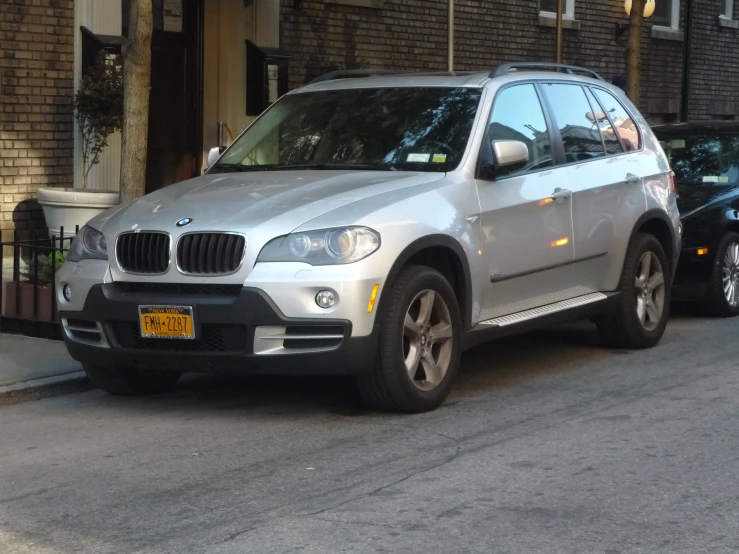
[[166, 322]]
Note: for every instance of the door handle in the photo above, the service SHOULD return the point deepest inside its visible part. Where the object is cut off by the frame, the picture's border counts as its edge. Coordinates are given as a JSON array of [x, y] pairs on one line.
[[561, 193], [632, 179]]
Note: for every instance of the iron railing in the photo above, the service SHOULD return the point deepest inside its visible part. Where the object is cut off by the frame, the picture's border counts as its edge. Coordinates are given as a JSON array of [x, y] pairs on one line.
[[28, 293]]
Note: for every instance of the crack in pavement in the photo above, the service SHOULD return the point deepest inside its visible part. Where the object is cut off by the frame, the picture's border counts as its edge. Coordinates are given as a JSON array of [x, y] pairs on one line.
[[398, 481], [23, 496]]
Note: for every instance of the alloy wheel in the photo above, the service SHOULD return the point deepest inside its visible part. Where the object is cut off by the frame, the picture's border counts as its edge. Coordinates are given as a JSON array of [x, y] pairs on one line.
[[427, 340], [650, 291], [730, 274]]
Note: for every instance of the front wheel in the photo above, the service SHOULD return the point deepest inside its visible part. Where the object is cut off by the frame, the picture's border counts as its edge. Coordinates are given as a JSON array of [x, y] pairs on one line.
[[722, 296], [640, 318], [131, 382], [420, 344]]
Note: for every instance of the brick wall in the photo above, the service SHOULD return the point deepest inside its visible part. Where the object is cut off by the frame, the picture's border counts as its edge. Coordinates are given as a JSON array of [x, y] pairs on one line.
[[323, 35], [36, 119], [714, 64]]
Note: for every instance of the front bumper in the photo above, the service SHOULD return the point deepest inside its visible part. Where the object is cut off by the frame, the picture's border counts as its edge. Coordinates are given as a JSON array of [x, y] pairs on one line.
[[692, 274], [235, 330]]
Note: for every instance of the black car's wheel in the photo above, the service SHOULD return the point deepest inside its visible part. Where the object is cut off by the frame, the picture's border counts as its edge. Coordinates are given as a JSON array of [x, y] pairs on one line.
[[131, 382], [722, 294], [420, 339], [643, 309]]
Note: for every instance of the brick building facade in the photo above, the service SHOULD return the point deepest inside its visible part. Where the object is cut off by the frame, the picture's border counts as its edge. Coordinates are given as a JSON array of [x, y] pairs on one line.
[[412, 34], [36, 89], [39, 62]]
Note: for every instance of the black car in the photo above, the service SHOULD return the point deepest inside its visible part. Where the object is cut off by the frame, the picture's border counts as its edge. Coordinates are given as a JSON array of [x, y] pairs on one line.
[[705, 159]]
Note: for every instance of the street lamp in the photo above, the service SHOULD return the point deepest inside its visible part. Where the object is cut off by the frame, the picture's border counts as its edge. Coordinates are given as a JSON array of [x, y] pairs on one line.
[[649, 6]]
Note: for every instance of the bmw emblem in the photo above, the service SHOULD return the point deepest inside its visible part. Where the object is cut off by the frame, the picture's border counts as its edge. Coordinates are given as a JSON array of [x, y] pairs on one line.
[[183, 222]]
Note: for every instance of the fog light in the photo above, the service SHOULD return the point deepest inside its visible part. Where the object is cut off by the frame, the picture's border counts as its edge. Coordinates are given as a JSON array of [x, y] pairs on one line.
[[67, 293], [325, 299]]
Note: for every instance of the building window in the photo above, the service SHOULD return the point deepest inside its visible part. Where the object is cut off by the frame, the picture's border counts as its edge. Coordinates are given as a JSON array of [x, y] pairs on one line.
[[549, 8], [667, 14], [727, 9]]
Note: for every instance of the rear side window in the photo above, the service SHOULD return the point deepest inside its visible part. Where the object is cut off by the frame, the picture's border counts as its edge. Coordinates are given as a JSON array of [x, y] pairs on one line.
[[573, 116], [518, 115], [599, 117], [625, 126]]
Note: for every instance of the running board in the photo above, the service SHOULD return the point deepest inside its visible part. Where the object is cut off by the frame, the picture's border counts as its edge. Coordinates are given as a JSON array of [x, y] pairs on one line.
[[520, 317]]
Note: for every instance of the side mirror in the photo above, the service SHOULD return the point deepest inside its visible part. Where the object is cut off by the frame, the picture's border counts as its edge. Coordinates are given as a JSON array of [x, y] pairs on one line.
[[510, 154], [213, 155]]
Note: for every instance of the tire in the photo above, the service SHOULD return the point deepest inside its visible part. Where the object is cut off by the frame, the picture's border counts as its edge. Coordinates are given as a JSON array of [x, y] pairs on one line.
[[725, 266], [625, 327], [131, 382], [390, 385]]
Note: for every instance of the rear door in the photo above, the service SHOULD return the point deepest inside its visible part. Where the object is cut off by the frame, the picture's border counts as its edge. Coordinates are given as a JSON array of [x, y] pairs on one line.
[[607, 191], [527, 234]]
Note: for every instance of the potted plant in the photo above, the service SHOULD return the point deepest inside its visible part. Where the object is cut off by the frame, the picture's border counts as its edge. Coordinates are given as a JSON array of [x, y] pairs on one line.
[[38, 275], [98, 106]]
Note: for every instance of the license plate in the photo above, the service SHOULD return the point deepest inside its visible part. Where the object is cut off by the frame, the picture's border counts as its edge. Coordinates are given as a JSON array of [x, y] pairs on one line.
[[166, 322]]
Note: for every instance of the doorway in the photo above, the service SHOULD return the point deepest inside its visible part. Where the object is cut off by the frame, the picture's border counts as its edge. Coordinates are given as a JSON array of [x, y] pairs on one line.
[[176, 96]]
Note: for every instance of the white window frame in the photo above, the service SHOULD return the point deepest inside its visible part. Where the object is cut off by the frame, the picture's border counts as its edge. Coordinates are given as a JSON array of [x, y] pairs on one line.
[[729, 12], [569, 11], [674, 17]]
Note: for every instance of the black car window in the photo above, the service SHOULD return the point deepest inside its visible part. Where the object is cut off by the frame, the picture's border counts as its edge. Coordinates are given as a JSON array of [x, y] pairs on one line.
[[518, 115], [703, 159], [580, 135], [625, 126]]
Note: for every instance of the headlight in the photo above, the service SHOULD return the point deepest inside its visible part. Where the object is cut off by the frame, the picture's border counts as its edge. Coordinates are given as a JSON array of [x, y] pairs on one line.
[[88, 244], [345, 245]]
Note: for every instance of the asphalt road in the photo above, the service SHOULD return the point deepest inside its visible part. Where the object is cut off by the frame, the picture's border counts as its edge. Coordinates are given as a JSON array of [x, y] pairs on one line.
[[548, 445]]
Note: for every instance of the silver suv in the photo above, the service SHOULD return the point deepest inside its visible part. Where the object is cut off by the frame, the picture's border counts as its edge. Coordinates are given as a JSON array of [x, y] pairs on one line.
[[378, 226]]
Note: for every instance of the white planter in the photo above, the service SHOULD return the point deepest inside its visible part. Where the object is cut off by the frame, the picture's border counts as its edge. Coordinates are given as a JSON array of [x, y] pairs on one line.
[[71, 207]]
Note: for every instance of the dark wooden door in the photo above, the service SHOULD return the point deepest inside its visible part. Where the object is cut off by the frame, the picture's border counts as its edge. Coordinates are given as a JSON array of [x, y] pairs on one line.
[[175, 102]]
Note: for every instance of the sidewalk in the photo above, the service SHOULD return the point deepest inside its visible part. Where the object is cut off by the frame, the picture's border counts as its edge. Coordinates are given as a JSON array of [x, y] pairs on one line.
[[34, 368]]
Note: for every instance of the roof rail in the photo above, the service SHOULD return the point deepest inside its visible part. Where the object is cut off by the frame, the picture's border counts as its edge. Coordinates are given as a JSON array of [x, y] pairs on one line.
[[506, 68], [349, 73]]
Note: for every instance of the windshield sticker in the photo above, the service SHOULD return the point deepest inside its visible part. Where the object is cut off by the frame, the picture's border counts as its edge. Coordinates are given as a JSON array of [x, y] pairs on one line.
[[439, 158], [710, 179], [419, 158], [723, 179]]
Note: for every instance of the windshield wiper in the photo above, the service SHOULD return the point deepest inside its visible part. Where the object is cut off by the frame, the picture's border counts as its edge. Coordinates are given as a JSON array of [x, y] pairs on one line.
[[330, 166], [228, 168], [297, 167]]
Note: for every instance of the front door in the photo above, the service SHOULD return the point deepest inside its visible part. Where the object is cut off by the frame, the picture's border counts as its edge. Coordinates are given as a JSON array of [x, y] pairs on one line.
[[527, 234]]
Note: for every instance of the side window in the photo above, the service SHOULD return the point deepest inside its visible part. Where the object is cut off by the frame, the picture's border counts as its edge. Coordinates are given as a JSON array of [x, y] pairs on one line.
[[625, 126], [573, 115], [599, 117], [518, 115]]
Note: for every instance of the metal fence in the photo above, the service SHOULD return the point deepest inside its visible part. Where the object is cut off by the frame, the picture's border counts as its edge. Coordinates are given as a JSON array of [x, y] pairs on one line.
[[28, 290]]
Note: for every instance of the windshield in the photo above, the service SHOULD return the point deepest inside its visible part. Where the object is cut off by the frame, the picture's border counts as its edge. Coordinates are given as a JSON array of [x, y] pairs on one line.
[[704, 159], [404, 128]]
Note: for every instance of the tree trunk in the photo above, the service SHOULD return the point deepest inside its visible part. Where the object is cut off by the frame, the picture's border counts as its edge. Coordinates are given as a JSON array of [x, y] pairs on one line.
[[633, 51], [136, 83]]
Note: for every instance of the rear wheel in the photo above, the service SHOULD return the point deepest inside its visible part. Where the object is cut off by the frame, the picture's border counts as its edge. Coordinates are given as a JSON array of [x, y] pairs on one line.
[[722, 296], [131, 382], [644, 304], [420, 339]]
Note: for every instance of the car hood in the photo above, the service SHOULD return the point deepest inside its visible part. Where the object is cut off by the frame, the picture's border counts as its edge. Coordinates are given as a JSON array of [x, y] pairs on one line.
[[695, 196], [274, 201]]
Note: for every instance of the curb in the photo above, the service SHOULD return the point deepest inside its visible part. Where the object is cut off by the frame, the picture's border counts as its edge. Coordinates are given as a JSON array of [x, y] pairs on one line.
[[37, 389]]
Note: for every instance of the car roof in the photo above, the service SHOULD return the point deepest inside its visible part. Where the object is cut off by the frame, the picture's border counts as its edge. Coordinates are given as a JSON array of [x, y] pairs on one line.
[[720, 126], [444, 79]]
